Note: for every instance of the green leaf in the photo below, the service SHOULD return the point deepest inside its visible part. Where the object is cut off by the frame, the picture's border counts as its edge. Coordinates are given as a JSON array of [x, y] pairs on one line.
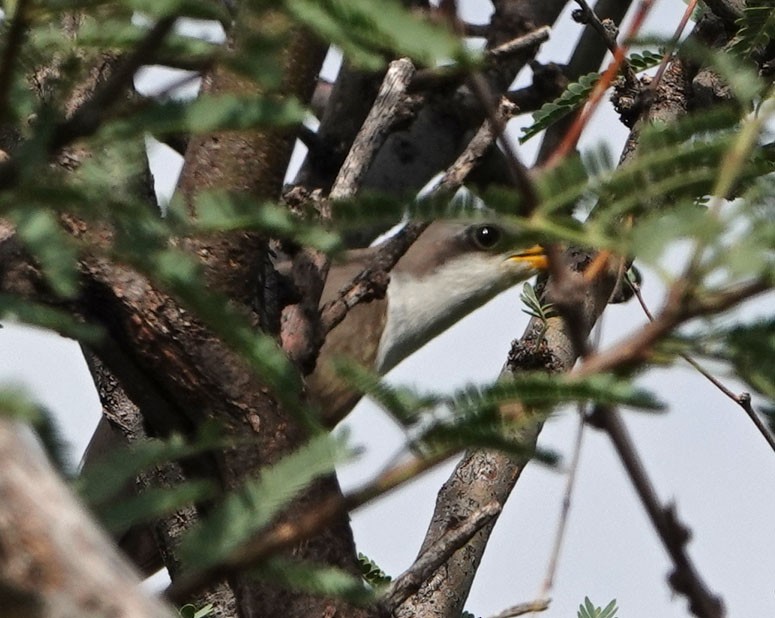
[[204, 611], [372, 573], [190, 611], [403, 403], [365, 30], [102, 481], [588, 610], [118, 33], [195, 9], [642, 61], [750, 349], [755, 29], [22, 310], [322, 580], [538, 389], [187, 611], [250, 508], [577, 93], [533, 305], [206, 114], [575, 96], [17, 404], [656, 232], [57, 254], [151, 504], [219, 211]]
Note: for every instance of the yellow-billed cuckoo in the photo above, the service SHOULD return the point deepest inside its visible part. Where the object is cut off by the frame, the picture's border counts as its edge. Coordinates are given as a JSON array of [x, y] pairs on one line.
[[451, 269]]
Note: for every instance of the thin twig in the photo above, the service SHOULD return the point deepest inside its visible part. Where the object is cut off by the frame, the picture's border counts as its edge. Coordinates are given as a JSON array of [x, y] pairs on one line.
[[562, 523], [735, 158], [519, 173], [520, 44], [674, 535], [371, 283], [637, 347], [426, 564], [476, 30], [456, 174], [588, 16], [523, 608], [742, 399], [572, 136], [690, 6], [429, 79], [301, 335], [289, 533]]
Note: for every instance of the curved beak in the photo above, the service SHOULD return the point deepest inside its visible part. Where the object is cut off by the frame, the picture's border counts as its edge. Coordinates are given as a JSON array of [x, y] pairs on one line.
[[534, 256]]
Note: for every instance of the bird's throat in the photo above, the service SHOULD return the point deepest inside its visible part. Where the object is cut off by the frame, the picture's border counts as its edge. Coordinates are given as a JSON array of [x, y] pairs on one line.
[[420, 308]]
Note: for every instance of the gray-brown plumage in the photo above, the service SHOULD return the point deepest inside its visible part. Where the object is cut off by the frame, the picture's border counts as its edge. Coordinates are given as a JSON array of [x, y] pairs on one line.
[[452, 269]]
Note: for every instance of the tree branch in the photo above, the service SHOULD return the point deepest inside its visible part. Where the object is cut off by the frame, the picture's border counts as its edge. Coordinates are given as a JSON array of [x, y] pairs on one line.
[[372, 282], [431, 559], [301, 333], [674, 535], [87, 118], [55, 561]]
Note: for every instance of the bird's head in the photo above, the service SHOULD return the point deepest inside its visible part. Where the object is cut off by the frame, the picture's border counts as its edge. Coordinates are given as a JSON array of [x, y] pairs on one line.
[[452, 269]]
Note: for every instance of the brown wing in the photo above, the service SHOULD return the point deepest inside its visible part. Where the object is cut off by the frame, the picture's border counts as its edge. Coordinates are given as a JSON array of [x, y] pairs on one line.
[[356, 337]]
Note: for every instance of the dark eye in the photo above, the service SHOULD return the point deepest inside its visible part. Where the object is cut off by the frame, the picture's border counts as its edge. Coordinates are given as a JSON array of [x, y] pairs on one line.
[[486, 236]]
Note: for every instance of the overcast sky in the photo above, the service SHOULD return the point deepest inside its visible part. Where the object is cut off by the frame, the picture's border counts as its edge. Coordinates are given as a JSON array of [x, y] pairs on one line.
[[703, 453]]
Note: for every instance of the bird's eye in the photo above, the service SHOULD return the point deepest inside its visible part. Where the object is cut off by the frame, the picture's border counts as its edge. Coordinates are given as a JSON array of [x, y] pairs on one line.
[[486, 236]]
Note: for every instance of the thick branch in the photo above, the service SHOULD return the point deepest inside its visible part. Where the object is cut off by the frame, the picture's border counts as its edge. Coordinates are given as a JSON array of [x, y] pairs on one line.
[[409, 582], [54, 561]]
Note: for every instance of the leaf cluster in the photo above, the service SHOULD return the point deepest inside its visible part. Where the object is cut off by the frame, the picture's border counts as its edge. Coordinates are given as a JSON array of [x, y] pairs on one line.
[[577, 93], [755, 28], [588, 610], [481, 415]]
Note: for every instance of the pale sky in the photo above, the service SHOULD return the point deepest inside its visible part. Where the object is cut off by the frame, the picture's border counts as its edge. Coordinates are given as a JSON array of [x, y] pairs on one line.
[[702, 453]]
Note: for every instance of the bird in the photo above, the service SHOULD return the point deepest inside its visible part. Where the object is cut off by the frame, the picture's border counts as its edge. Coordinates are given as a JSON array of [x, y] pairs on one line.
[[453, 268]]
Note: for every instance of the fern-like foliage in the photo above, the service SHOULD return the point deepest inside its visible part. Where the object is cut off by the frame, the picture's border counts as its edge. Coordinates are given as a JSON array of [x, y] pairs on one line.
[[372, 573], [244, 512], [573, 98], [17, 404], [191, 611], [756, 28], [318, 579], [474, 415], [577, 93], [749, 349], [588, 610], [364, 30]]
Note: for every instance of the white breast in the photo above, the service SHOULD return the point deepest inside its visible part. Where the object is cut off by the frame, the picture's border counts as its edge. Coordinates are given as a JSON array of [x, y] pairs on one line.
[[419, 309]]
